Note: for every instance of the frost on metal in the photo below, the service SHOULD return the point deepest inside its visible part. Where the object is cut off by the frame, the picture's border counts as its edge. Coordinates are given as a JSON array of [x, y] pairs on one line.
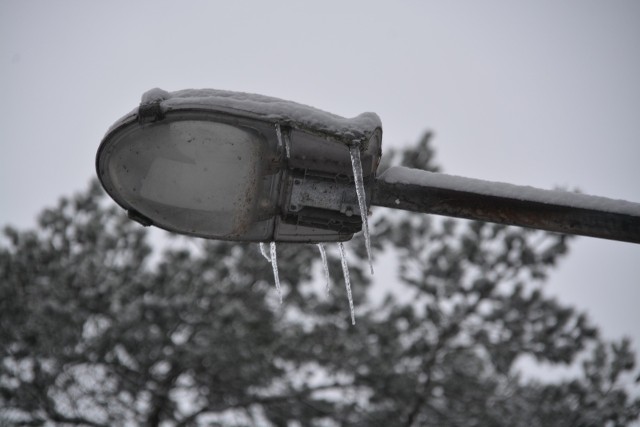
[[282, 142], [293, 114], [154, 95], [403, 175], [356, 164]]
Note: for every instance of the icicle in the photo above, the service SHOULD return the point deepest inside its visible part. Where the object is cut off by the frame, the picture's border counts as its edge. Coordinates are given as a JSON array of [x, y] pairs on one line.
[[279, 133], [356, 164], [274, 264], [347, 282], [325, 265], [263, 251], [281, 141]]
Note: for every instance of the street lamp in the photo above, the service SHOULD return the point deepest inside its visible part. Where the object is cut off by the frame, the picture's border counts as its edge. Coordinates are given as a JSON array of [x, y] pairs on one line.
[[236, 166]]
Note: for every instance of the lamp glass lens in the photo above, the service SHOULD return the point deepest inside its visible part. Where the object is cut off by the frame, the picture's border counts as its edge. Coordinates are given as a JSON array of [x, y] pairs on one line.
[[197, 177]]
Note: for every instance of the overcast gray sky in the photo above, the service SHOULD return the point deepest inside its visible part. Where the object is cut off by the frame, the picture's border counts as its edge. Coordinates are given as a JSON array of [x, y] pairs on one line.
[[543, 93]]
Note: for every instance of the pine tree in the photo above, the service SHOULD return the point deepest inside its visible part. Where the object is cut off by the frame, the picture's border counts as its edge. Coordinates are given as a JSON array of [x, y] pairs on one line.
[[98, 329]]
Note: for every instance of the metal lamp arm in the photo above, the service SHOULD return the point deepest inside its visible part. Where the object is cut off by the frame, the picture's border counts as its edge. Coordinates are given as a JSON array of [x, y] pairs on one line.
[[558, 211]]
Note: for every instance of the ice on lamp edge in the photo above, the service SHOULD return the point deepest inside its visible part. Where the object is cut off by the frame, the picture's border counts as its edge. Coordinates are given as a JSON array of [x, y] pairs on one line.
[[359, 186]]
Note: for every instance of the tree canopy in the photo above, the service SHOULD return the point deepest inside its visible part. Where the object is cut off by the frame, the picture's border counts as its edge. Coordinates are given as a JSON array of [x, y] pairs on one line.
[[97, 328]]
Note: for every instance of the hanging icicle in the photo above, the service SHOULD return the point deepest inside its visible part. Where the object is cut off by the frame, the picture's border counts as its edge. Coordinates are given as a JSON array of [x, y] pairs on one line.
[[279, 134], [347, 282], [356, 164], [325, 265], [263, 251], [282, 141], [274, 264]]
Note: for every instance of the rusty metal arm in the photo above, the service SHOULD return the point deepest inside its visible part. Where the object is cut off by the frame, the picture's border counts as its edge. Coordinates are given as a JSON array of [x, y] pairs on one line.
[[557, 211]]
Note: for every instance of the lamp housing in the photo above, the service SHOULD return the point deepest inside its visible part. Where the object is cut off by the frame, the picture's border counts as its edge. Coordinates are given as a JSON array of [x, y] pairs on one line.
[[237, 166]]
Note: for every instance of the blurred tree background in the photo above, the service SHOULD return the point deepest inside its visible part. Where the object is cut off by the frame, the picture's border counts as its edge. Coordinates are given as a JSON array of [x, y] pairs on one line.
[[97, 329]]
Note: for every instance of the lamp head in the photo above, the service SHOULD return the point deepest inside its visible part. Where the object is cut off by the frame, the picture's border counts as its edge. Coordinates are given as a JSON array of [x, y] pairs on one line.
[[236, 166]]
